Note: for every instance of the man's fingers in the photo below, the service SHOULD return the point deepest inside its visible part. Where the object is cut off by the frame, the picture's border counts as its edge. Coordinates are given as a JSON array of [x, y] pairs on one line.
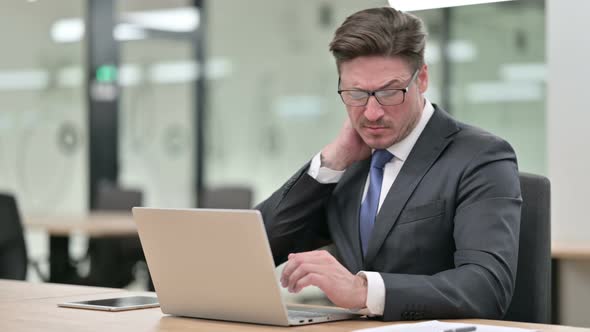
[[311, 279], [302, 271], [294, 260], [292, 263], [321, 269]]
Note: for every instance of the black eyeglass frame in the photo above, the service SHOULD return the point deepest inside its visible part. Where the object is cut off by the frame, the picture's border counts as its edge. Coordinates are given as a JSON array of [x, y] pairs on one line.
[[373, 93]]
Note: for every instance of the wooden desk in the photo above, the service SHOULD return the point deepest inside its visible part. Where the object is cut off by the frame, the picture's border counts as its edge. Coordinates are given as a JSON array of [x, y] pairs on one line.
[[561, 251], [118, 224], [95, 224], [13, 290], [59, 229], [36, 310], [570, 251]]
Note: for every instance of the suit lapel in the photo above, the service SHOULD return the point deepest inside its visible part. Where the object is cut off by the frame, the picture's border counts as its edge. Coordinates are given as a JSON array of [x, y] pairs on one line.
[[436, 136]]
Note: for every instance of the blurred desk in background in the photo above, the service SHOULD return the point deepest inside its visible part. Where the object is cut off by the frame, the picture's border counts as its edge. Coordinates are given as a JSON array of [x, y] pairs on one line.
[[95, 224], [570, 251], [59, 229], [561, 251]]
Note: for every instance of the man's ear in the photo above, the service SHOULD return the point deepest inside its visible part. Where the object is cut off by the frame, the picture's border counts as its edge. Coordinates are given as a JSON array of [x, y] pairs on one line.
[[422, 79]]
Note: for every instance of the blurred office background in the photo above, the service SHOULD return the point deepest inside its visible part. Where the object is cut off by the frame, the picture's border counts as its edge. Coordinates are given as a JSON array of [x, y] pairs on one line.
[[254, 98]]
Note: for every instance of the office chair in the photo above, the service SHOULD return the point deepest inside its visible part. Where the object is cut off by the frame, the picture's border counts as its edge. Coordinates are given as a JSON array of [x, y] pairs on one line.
[[531, 301], [227, 197], [113, 259], [13, 251], [112, 198]]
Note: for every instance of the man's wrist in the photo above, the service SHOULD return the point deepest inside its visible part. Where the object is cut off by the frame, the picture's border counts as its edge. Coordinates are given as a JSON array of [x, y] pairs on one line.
[[360, 283], [323, 175], [375, 302], [327, 160]]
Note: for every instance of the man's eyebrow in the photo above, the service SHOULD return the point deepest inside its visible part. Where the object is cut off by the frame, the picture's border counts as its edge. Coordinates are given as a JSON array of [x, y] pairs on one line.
[[394, 82], [387, 85]]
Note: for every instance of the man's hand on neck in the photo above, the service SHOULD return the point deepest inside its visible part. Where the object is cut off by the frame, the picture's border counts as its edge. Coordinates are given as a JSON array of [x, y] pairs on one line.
[[347, 148]]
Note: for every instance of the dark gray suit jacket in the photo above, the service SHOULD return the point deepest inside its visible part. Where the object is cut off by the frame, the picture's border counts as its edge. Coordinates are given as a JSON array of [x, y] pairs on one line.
[[446, 237]]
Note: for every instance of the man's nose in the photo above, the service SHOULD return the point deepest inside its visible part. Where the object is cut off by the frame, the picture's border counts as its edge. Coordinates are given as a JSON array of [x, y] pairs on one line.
[[373, 110]]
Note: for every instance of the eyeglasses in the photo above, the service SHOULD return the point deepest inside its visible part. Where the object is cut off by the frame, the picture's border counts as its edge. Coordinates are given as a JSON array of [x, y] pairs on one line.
[[385, 97]]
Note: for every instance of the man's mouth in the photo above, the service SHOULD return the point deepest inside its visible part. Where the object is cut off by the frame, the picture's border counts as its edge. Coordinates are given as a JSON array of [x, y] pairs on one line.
[[375, 130]]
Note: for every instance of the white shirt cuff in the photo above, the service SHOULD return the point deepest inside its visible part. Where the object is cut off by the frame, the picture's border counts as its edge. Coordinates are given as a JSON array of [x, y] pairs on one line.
[[323, 174], [375, 292]]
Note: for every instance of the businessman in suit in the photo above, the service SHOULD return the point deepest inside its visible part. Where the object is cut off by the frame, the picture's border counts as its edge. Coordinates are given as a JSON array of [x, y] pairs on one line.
[[423, 210]]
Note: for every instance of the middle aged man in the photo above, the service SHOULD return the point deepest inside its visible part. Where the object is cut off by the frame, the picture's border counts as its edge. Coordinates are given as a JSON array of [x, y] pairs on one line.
[[423, 211]]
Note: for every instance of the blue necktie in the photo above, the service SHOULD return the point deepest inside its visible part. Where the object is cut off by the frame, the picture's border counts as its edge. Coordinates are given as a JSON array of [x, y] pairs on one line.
[[371, 202]]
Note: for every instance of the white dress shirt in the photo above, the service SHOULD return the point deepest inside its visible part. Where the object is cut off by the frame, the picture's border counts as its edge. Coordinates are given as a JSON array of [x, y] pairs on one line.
[[400, 150]]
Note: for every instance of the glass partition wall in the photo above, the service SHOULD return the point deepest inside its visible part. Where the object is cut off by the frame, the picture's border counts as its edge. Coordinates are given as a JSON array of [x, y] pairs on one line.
[[499, 74], [271, 85], [271, 92], [156, 111], [278, 106], [43, 113], [43, 134]]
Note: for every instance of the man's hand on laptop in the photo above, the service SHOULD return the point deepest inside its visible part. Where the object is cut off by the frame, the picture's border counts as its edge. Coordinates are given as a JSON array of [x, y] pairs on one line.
[[319, 268]]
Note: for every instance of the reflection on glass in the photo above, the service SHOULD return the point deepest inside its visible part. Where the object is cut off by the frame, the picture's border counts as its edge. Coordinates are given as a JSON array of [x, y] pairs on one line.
[[503, 89], [42, 111]]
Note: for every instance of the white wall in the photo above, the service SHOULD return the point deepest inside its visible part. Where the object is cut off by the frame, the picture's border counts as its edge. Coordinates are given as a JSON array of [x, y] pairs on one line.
[[568, 53]]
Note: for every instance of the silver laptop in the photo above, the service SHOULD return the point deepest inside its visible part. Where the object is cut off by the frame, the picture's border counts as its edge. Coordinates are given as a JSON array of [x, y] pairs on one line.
[[217, 264]]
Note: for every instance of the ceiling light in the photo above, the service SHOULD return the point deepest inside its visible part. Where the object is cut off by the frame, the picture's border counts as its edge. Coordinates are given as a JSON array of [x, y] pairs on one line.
[[458, 51], [67, 30], [126, 31], [174, 72], [536, 72], [185, 19], [502, 91], [407, 5], [25, 79]]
